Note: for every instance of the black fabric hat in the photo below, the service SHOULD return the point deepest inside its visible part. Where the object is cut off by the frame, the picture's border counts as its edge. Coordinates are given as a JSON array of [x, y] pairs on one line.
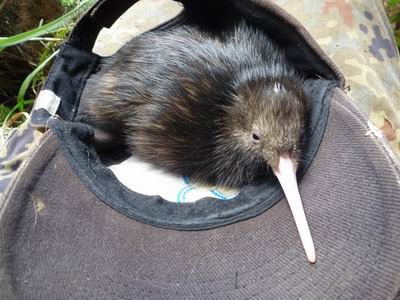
[[69, 229]]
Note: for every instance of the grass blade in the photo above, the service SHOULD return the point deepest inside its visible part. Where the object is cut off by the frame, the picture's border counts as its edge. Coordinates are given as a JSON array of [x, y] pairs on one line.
[[12, 111], [44, 29], [25, 85]]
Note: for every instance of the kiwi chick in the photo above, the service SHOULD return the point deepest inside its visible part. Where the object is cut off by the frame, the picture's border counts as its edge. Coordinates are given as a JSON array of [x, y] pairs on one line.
[[219, 109]]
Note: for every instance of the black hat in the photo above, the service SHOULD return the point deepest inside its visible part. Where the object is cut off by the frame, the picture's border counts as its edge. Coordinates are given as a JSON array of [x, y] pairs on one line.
[[70, 229]]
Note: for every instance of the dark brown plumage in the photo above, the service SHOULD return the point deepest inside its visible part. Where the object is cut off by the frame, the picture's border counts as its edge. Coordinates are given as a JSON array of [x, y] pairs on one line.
[[219, 109]]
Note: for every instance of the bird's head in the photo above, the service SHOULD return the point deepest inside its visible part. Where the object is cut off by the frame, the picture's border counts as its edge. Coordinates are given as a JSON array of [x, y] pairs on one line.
[[267, 119]]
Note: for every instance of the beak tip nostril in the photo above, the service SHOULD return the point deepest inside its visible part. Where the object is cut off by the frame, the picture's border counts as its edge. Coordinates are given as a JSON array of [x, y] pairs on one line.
[[312, 258]]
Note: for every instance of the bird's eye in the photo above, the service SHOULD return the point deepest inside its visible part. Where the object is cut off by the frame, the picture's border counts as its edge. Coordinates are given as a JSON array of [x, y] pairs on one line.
[[256, 137]]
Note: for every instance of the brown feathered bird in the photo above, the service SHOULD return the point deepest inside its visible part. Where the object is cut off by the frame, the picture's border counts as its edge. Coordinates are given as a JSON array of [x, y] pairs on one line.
[[220, 109]]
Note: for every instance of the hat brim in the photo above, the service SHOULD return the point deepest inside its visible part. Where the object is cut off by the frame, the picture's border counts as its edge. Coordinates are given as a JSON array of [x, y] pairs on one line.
[[60, 240]]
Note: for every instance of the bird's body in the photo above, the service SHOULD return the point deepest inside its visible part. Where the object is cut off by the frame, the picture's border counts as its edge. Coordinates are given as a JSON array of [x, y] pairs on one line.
[[219, 109]]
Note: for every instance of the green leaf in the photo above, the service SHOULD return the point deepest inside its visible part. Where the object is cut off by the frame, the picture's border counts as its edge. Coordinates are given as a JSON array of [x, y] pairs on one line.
[[44, 29], [69, 3], [13, 110], [393, 2], [25, 85], [4, 111]]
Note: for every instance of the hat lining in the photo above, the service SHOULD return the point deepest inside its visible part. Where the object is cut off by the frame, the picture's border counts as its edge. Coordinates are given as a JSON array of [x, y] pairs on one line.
[[206, 213]]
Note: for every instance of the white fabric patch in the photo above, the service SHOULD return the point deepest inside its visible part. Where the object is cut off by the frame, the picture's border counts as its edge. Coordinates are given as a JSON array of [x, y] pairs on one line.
[[47, 100], [145, 179], [277, 86]]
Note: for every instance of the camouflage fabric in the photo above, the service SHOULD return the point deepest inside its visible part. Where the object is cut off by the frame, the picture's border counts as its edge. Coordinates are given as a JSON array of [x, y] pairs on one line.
[[358, 38], [355, 34], [15, 151], [141, 17]]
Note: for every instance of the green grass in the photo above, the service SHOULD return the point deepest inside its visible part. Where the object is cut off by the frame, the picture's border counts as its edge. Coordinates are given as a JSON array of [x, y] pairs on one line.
[[45, 29], [51, 36], [393, 12], [4, 111]]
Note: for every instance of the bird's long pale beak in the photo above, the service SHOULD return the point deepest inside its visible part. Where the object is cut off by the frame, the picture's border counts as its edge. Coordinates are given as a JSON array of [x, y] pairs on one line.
[[286, 173]]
